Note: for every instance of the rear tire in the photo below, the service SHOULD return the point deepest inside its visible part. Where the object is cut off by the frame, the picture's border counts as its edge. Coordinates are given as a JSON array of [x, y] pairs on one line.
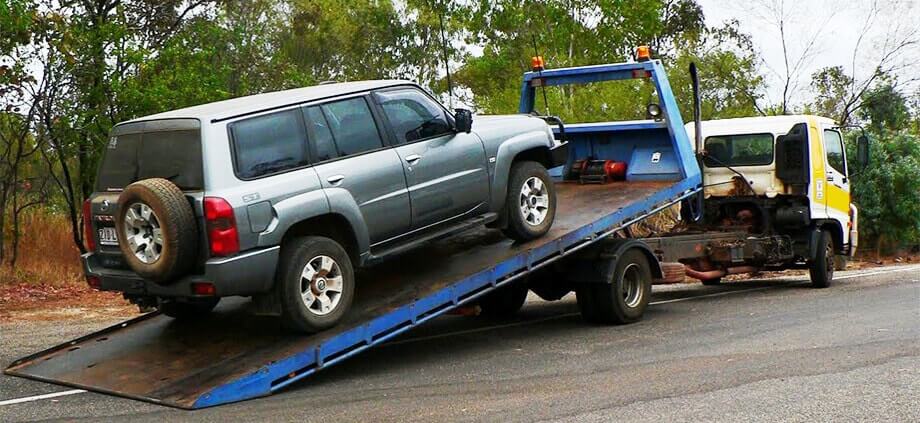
[[531, 201], [505, 301], [315, 284], [193, 308], [821, 268], [625, 299]]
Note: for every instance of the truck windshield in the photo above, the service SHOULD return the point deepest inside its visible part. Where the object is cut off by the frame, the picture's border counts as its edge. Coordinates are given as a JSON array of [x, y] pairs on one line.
[[739, 150], [171, 154]]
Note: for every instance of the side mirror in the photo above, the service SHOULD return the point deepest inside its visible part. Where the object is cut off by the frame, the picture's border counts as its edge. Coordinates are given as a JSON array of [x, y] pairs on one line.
[[862, 151], [463, 120]]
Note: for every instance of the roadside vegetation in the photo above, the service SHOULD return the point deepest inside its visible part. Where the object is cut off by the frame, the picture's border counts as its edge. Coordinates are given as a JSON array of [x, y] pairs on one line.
[[70, 70]]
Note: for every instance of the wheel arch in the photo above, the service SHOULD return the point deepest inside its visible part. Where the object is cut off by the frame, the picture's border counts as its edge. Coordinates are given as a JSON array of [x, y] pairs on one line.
[[523, 147], [836, 231], [331, 225], [620, 249]]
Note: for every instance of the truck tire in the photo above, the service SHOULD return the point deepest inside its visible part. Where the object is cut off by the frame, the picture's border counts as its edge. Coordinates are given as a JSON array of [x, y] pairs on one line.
[[315, 284], [625, 299], [185, 310], [157, 231], [505, 301], [821, 268], [531, 202]]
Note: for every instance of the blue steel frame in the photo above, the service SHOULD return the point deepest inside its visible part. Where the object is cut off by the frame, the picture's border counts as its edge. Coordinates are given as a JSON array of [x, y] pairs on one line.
[[282, 373], [652, 69]]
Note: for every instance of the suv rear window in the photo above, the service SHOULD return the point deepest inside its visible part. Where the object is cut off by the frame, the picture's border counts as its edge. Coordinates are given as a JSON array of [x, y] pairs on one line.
[[132, 154], [739, 150], [269, 143]]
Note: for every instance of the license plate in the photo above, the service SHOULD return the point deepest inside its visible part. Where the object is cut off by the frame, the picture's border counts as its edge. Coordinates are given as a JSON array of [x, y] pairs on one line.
[[107, 236]]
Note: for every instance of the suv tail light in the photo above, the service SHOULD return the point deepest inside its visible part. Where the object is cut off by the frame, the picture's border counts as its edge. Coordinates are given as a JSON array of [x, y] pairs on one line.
[[221, 224], [88, 241]]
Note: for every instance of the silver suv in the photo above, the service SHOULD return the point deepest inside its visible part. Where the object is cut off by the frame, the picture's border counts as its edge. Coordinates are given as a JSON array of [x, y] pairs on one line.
[[280, 195]]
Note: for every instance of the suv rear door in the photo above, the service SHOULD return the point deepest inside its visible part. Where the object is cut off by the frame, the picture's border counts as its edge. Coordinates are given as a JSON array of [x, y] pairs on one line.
[[446, 171], [351, 156]]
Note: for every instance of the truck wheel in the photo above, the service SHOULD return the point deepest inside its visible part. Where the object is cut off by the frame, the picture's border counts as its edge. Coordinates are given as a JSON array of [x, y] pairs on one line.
[[821, 268], [315, 284], [505, 301], [531, 201], [712, 282], [625, 299], [193, 308], [156, 228]]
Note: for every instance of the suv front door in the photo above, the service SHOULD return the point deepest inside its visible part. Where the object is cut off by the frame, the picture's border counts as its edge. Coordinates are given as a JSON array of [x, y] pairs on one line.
[[446, 171], [351, 156]]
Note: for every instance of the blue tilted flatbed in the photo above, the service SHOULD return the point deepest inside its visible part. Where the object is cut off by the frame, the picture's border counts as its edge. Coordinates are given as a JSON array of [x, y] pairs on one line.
[[233, 355]]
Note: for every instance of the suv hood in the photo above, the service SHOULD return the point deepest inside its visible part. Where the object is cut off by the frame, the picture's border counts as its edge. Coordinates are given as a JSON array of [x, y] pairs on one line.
[[517, 124]]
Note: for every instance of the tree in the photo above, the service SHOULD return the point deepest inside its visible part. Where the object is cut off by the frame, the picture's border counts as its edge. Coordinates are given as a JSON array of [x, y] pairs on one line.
[[884, 107], [841, 94], [886, 192]]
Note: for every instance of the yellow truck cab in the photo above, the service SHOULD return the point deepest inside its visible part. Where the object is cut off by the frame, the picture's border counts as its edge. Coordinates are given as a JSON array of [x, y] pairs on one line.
[[783, 175]]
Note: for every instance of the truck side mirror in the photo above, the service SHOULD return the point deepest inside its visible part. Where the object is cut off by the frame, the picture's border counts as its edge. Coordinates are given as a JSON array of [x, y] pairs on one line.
[[463, 120], [862, 151]]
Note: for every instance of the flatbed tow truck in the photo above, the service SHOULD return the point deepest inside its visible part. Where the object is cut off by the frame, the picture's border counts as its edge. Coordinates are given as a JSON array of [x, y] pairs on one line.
[[232, 355]]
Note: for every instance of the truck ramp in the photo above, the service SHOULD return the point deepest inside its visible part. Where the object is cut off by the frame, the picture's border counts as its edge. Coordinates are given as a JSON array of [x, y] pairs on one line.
[[232, 355]]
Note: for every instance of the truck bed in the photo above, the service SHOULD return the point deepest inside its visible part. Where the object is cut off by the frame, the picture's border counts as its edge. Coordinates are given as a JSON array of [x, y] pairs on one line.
[[233, 355]]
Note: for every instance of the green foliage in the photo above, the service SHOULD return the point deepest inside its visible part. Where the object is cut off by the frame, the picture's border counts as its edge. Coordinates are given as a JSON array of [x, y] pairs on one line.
[[887, 192], [884, 107]]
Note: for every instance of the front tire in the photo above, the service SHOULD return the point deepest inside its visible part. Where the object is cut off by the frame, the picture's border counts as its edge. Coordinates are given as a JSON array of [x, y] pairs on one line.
[[821, 268], [625, 298], [531, 201], [315, 284]]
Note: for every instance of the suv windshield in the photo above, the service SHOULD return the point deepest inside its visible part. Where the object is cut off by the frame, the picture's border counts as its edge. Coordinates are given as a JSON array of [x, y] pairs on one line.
[[739, 150], [156, 149]]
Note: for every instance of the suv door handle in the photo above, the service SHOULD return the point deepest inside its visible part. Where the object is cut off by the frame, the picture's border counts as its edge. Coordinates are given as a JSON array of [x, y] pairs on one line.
[[335, 179], [413, 159], [830, 178]]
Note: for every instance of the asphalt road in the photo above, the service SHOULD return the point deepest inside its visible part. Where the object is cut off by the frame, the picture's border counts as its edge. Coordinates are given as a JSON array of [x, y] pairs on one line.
[[747, 351]]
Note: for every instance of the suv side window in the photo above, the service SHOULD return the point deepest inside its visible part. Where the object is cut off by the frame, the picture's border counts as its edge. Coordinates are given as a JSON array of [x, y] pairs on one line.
[[320, 135], [413, 115], [833, 147], [269, 143], [352, 125]]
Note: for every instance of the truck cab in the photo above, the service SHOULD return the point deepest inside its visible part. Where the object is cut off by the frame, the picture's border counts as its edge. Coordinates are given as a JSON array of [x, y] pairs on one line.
[[779, 175]]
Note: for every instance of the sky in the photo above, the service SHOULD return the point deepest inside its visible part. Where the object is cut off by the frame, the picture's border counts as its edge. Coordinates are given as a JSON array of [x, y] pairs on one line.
[[835, 26]]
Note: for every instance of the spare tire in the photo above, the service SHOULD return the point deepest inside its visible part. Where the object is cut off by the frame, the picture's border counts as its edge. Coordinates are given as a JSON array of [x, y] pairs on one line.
[[157, 232]]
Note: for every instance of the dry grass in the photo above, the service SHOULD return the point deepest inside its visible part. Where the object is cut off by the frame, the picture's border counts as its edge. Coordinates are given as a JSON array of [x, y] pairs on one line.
[[47, 254], [48, 274]]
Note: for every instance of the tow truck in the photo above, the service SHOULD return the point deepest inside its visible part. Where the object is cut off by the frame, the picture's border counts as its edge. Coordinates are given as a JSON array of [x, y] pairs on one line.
[[616, 174]]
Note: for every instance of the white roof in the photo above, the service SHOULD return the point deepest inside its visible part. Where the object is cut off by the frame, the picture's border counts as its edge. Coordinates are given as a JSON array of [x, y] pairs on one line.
[[776, 125], [253, 103]]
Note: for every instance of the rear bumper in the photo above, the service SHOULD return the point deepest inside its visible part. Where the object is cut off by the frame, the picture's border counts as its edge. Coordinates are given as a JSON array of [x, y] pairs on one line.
[[245, 274]]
